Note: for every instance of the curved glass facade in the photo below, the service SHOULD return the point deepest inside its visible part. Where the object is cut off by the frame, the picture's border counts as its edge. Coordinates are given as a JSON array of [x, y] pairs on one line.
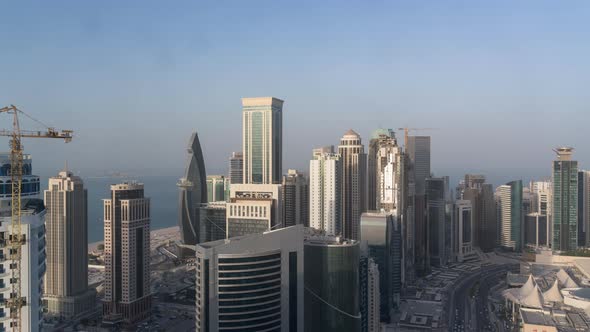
[[249, 290], [331, 287], [193, 192]]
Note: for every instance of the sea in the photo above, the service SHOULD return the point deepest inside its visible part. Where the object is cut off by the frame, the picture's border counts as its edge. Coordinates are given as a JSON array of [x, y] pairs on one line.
[[161, 189]]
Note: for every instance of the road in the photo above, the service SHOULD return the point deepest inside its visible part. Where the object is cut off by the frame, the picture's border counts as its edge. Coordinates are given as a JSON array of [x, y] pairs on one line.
[[466, 313]]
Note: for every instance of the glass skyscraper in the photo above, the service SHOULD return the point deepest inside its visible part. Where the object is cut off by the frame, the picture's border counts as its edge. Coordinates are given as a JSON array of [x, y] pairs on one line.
[[262, 140], [565, 200]]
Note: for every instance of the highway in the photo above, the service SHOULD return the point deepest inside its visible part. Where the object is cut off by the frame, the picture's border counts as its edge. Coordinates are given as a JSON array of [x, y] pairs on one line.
[[468, 314]]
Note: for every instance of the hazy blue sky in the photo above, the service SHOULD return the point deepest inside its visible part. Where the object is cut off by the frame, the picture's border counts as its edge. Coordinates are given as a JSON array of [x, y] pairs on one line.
[[504, 81]]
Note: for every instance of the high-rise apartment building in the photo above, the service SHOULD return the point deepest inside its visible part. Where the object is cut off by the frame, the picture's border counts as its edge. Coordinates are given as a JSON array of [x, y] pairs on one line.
[[236, 168], [215, 188], [325, 191], [32, 264], [127, 254], [66, 293], [331, 284], [565, 201], [385, 172], [510, 215], [192, 193], [254, 208], [262, 140], [252, 283], [354, 175], [542, 192], [295, 199]]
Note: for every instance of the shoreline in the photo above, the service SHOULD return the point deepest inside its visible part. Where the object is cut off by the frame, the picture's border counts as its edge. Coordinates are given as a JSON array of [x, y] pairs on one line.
[[154, 233]]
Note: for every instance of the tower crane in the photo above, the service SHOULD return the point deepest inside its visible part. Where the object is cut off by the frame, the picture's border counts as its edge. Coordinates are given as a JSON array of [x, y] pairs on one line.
[[407, 132], [16, 239]]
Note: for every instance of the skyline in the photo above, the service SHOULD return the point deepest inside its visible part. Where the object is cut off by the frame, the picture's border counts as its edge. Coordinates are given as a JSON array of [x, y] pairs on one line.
[[115, 73]]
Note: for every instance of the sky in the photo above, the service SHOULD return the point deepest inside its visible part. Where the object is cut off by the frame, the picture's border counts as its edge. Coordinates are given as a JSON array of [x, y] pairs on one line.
[[503, 82]]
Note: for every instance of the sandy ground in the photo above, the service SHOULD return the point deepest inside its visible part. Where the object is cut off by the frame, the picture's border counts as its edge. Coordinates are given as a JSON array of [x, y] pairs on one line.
[[157, 236]]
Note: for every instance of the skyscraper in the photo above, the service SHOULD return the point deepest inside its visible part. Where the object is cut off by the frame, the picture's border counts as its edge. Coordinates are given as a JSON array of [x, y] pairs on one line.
[[295, 199], [66, 292], [369, 296], [262, 140], [331, 284], [565, 200], [436, 218], [584, 207], [32, 264], [418, 151], [251, 283], [127, 254], [510, 215], [354, 175], [381, 234], [385, 171], [192, 193], [215, 188], [236, 168], [536, 230], [254, 208], [325, 191], [488, 227], [463, 234], [212, 221]]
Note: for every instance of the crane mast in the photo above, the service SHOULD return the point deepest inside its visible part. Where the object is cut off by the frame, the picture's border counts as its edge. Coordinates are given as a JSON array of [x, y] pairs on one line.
[[16, 238]]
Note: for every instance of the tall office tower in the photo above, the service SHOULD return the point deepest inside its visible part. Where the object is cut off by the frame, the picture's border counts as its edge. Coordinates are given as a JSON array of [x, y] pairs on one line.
[[488, 226], [369, 296], [331, 284], [251, 283], [436, 218], [262, 140], [254, 208], [212, 226], [584, 207], [192, 193], [215, 188], [449, 222], [325, 191], [473, 187], [236, 168], [536, 229], [565, 201], [463, 235], [377, 235], [127, 254], [542, 192], [32, 266], [510, 218], [385, 171], [66, 293], [354, 175], [418, 151], [295, 199]]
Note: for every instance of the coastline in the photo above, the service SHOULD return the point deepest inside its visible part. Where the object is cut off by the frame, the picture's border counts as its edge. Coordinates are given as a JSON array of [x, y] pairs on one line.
[[155, 234]]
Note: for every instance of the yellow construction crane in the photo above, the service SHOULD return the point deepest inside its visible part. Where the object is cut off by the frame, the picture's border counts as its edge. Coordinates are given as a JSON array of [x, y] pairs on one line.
[[16, 239], [407, 131]]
